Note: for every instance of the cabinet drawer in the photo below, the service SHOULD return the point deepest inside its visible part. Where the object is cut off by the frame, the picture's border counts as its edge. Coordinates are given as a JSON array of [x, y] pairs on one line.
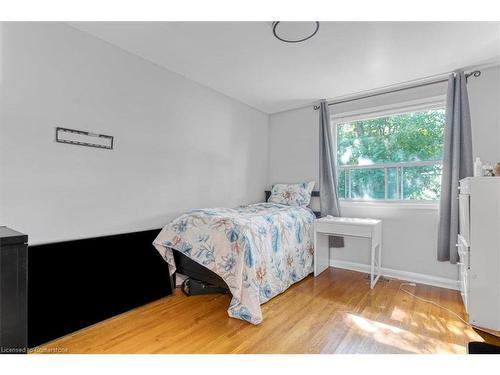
[[344, 229]]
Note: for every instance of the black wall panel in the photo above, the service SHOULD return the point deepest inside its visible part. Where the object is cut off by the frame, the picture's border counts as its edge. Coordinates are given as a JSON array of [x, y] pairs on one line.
[[74, 284]]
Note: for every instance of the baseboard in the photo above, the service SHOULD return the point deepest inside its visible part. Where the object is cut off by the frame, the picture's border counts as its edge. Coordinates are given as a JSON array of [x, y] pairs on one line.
[[397, 274]]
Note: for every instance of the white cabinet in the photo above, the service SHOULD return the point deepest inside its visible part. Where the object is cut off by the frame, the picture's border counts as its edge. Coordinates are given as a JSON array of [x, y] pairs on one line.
[[464, 218], [478, 247]]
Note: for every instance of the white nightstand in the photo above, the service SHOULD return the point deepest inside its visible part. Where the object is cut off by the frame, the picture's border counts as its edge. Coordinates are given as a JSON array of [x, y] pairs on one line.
[[346, 226]]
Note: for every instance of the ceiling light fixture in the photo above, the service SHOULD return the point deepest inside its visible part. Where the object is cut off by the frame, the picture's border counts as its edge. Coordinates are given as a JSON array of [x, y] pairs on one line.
[[294, 32]]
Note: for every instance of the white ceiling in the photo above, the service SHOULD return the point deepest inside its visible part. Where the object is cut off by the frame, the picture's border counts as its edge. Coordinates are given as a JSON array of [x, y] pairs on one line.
[[244, 61]]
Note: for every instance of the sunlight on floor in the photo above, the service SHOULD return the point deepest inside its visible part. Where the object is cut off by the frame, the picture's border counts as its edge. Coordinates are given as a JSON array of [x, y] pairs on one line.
[[398, 315], [405, 340]]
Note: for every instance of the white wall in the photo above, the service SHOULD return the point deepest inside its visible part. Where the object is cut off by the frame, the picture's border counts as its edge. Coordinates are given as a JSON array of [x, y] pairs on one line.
[[179, 145], [410, 234], [484, 101]]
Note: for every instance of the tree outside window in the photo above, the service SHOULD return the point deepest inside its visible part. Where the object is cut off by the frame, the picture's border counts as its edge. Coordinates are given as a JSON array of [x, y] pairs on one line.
[[396, 157]]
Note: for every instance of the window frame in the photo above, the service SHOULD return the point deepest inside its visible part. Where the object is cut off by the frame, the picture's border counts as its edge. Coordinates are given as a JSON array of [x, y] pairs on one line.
[[435, 102]]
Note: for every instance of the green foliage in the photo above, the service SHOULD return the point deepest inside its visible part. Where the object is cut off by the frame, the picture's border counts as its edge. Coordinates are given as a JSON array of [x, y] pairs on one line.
[[415, 136]]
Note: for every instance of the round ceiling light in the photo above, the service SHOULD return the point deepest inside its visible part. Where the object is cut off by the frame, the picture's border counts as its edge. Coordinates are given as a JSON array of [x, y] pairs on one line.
[[294, 32]]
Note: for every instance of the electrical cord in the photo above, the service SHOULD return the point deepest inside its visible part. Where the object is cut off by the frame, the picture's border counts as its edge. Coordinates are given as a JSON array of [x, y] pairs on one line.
[[431, 302]]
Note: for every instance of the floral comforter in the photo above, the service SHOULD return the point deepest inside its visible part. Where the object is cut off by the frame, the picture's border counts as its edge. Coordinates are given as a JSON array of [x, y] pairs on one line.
[[259, 250]]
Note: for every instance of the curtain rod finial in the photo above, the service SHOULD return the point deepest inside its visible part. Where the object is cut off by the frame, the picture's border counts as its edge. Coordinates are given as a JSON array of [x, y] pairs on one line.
[[475, 73]]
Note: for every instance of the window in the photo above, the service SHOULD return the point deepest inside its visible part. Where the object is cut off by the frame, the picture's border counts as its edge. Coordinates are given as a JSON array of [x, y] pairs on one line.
[[394, 157]]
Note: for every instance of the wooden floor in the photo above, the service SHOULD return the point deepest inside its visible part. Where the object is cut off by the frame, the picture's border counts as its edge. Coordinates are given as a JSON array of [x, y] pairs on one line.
[[334, 313]]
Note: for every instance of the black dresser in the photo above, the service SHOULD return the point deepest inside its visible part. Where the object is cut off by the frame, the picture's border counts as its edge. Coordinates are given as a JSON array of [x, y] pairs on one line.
[[13, 291]]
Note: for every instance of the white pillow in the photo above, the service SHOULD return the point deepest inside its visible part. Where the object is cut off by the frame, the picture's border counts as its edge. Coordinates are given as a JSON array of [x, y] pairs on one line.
[[292, 194]]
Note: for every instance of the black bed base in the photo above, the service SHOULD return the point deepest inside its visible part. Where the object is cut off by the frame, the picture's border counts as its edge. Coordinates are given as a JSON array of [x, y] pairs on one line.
[[196, 271]]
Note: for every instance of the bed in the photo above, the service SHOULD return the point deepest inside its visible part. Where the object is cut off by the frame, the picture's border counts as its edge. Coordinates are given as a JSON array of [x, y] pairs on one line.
[[257, 250]]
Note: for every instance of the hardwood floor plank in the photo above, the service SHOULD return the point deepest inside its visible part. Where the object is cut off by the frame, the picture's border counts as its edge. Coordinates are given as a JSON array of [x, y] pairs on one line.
[[333, 313]]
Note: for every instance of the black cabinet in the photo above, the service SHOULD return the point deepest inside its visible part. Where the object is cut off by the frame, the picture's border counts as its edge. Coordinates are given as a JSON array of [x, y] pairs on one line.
[[13, 291]]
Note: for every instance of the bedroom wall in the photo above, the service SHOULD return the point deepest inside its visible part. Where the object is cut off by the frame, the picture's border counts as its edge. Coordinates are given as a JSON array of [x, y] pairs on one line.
[[410, 233], [484, 101], [178, 145]]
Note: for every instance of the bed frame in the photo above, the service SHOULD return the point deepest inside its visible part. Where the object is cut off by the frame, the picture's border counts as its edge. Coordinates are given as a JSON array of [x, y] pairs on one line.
[[194, 270], [190, 268]]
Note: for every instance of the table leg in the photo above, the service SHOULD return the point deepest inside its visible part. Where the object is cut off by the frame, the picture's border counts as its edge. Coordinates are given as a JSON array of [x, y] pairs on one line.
[[379, 259], [321, 253], [376, 261], [372, 265]]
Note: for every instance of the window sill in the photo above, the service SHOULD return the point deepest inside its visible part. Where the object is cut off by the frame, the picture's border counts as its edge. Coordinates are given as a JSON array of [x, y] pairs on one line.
[[414, 205]]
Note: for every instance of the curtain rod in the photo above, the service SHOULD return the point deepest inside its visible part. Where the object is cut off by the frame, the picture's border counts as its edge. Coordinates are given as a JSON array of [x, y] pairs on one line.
[[475, 73]]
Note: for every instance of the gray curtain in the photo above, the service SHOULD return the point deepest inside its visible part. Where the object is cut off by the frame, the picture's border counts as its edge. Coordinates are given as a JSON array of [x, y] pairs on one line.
[[329, 201], [457, 164]]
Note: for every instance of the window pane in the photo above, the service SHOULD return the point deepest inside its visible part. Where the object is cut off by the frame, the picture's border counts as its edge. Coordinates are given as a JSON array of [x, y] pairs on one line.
[[398, 138], [422, 182], [392, 183], [341, 184], [394, 147], [367, 184]]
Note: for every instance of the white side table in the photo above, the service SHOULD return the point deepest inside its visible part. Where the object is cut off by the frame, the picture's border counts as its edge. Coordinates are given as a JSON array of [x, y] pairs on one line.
[[346, 226]]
